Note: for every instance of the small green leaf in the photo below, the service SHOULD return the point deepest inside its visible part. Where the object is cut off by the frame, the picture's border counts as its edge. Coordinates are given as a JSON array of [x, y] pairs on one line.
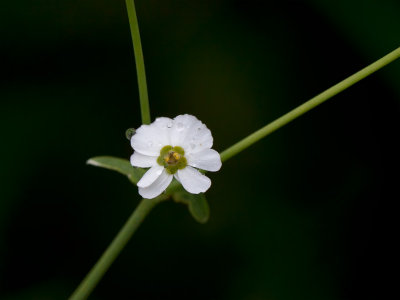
[[198, 205], [120, 165]]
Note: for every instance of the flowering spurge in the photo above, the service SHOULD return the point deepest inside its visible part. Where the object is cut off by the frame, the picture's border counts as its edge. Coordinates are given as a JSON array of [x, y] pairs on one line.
[[174, 148]]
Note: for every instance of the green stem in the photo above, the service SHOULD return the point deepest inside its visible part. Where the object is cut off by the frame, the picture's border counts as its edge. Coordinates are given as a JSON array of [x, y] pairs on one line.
[[141, 74], [302, 109], [111, 253]]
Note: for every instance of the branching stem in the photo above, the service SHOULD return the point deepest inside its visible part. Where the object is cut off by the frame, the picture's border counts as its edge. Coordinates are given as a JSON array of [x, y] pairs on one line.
[[111, 253], [141, 74], [310, 104]]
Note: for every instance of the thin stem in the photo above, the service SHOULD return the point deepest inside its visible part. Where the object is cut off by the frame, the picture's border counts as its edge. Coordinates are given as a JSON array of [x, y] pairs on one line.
[[111, 253], [313, 102], [141, 74]]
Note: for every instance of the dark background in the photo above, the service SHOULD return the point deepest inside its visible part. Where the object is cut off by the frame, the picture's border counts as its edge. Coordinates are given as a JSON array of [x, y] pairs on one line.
[[307, 213]]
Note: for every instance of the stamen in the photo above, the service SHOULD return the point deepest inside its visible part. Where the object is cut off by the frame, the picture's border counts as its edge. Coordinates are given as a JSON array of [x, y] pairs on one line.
[[172, 158]]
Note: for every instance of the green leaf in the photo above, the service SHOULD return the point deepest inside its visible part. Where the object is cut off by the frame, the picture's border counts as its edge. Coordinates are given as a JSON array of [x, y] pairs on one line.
[[120, 165], [197, 203]]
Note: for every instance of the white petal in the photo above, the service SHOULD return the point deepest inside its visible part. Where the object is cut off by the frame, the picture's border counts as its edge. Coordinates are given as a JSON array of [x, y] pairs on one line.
[[163, 122], [149, 139], [191, 134], [207, 159], [143, 161], [197, 144], [157, 187], [182, 124], [164, 125], [193, 181], [177, 177], [150, 176]]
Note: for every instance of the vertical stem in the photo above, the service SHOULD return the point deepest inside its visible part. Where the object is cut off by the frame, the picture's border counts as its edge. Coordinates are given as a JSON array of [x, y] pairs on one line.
[[141, 74], [310, 104], [111, 253]]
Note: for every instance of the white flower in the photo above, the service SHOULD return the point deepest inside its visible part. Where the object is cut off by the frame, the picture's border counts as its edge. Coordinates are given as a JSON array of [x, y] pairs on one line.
[[174, 148]]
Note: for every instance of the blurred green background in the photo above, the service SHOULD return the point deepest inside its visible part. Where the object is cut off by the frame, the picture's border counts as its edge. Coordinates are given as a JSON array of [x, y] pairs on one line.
[[307, 213]]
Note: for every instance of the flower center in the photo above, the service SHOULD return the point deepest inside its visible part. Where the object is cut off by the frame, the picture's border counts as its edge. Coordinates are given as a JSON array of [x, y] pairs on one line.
[[172, 159]]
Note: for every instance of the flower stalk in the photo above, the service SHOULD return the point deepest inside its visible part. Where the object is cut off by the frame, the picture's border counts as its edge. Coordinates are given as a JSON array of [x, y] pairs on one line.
[[111, 253], [141, 74], [310, 104]]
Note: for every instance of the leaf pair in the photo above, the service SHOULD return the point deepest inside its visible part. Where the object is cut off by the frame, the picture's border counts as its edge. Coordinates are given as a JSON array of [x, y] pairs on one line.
[[197, 203]]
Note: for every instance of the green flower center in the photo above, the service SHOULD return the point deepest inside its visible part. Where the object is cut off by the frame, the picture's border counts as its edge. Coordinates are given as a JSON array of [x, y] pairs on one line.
[[172, 159]]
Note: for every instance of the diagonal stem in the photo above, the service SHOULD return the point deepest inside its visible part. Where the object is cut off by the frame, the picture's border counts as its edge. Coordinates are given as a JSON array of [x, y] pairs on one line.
[[141, 74], [111, 253], [313, 102]]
